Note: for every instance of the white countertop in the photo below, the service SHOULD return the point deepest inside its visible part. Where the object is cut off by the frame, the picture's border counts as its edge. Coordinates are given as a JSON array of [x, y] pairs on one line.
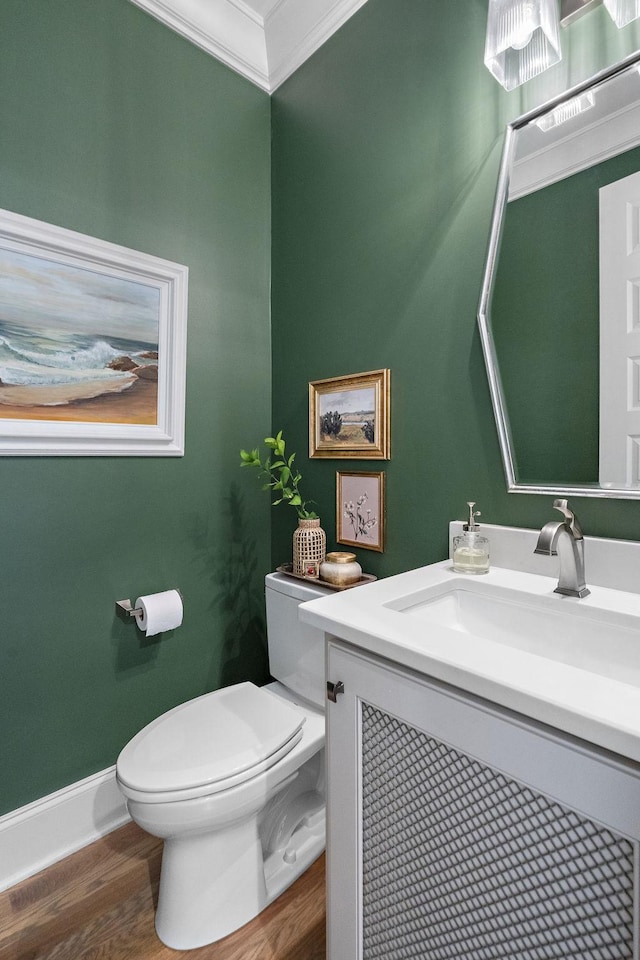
[[596, 708]]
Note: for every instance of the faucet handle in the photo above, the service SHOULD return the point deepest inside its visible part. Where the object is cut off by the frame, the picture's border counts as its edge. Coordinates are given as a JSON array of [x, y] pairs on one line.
[[570, 518]]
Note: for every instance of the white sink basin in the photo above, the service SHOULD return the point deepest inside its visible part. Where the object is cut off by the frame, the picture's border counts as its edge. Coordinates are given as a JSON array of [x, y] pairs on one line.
[[559, 629], [508, 638]]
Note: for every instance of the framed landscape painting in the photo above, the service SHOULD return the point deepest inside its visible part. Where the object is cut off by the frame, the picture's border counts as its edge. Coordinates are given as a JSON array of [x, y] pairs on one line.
[[349, 416], [92, 345]]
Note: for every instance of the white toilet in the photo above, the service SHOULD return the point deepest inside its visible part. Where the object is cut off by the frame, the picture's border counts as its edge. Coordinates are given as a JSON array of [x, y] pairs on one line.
[[233, 781]]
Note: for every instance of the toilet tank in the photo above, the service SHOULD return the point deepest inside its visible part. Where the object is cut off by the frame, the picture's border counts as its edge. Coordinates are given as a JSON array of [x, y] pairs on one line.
[[296, 650]]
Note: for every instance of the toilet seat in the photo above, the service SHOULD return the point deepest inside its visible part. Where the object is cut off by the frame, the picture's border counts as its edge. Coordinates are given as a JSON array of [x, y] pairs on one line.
[[209, 744]]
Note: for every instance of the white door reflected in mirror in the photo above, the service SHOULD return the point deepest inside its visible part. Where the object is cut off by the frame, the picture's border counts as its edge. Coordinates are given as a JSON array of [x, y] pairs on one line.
[[620, 332]]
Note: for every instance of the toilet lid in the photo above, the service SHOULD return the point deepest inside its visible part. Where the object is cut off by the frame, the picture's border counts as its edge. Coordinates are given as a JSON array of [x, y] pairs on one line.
[[222, 735]]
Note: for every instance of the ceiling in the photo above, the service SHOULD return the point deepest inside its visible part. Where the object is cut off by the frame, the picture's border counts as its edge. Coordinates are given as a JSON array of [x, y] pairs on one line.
[[264, 40]]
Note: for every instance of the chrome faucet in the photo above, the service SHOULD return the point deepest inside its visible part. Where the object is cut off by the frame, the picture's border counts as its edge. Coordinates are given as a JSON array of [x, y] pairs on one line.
[[563, 538]]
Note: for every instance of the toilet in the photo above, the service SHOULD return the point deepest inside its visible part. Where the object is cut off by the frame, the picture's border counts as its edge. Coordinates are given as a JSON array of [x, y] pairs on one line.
[[234, 783]]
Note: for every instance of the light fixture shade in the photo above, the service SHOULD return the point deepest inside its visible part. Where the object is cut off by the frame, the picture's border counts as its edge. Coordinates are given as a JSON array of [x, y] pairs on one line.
[[523, 39], [566, 111], [623, 12]]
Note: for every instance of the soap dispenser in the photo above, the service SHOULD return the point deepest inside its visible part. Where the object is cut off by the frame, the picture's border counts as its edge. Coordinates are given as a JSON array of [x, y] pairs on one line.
[[470, 549]]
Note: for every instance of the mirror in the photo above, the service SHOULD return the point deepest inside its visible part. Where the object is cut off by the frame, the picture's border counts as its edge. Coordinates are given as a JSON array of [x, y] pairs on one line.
[[559, 313]]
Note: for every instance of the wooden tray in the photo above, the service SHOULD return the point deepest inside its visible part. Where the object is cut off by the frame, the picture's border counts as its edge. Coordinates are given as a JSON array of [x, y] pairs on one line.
[[287, 568]]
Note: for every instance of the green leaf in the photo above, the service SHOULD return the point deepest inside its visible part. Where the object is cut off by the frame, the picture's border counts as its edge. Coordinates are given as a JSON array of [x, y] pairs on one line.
[[278, 443], [250, 459], [279, 475]]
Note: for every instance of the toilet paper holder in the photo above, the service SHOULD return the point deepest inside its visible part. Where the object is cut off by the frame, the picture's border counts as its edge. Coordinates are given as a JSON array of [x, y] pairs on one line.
[[127, 608], [124, 608]]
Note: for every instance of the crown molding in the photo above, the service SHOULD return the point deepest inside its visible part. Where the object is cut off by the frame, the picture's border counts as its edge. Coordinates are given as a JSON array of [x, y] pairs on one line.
[[248, 11], [219, 27], [294, 31], [266, 50]]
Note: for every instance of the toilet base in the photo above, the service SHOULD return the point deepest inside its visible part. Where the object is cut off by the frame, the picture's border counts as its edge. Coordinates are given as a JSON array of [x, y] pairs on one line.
[[286, 865], [200, 872], [191, 892]]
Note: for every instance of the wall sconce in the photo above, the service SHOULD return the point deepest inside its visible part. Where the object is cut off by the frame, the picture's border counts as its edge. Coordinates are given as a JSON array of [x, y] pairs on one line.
[[623, 12], [523, 36], [523, 39]]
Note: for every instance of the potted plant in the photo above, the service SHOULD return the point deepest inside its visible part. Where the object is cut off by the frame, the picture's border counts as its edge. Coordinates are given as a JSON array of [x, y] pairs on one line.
[[283, 479]]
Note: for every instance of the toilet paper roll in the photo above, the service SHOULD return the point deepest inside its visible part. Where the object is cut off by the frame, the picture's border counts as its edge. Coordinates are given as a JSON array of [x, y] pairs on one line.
[[160, 612]]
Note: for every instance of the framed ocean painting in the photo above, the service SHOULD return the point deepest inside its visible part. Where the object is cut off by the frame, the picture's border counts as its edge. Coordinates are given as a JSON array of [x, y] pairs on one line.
[[92, 345]]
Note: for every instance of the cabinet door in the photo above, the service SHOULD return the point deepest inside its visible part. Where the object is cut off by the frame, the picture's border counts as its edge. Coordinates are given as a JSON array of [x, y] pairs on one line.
[[458, 831]]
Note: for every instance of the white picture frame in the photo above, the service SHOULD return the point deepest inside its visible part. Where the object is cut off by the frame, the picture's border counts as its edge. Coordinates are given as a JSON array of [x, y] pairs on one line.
[[68, 302]]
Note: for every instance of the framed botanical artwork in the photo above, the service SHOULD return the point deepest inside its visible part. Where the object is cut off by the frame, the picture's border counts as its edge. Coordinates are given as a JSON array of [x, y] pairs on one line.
[[360, 510], [92, 345], [349, 416]]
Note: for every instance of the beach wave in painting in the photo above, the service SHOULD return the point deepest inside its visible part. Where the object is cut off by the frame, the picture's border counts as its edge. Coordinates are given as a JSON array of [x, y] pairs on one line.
[[76, 344], [60, 368]]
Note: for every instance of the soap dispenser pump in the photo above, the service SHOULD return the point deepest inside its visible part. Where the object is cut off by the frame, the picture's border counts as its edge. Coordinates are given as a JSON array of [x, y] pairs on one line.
[[471, 549]]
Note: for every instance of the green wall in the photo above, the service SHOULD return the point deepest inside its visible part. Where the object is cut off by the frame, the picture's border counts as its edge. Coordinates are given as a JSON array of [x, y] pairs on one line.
[[383, 163], [117, 128], [386, 146]]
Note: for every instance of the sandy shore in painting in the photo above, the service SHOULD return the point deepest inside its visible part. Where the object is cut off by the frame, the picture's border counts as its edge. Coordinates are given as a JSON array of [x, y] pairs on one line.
[[125, 401]]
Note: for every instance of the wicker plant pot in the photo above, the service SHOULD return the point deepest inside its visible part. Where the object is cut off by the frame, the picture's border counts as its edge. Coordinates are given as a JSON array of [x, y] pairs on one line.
[[309, 545]]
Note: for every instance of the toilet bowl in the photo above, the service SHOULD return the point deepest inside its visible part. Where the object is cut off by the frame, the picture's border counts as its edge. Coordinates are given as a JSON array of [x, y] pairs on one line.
[[233, 782]]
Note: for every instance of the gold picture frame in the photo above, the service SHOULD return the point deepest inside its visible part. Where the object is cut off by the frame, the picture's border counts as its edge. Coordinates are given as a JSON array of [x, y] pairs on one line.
[[360, 510], [349, 416]]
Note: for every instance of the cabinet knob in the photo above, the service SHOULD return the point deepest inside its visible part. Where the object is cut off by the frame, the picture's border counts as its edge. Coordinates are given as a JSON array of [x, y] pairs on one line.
[[333, 689]]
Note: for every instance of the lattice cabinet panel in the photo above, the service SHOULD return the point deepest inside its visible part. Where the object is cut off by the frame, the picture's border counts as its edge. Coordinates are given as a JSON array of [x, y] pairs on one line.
[[461, 831], [462, 863]]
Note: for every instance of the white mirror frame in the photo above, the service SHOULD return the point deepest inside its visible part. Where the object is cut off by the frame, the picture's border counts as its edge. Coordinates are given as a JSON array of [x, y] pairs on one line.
[[484, 315]]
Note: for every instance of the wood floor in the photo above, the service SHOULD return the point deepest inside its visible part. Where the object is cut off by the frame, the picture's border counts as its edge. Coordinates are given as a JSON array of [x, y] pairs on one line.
[[99, 905]]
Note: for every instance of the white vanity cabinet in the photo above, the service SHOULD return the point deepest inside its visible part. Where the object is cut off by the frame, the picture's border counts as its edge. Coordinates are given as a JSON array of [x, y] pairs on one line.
[[459, 830]]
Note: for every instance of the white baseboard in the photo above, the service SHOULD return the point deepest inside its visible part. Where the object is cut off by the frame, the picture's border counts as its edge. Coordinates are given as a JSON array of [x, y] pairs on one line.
[[47, 830]]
